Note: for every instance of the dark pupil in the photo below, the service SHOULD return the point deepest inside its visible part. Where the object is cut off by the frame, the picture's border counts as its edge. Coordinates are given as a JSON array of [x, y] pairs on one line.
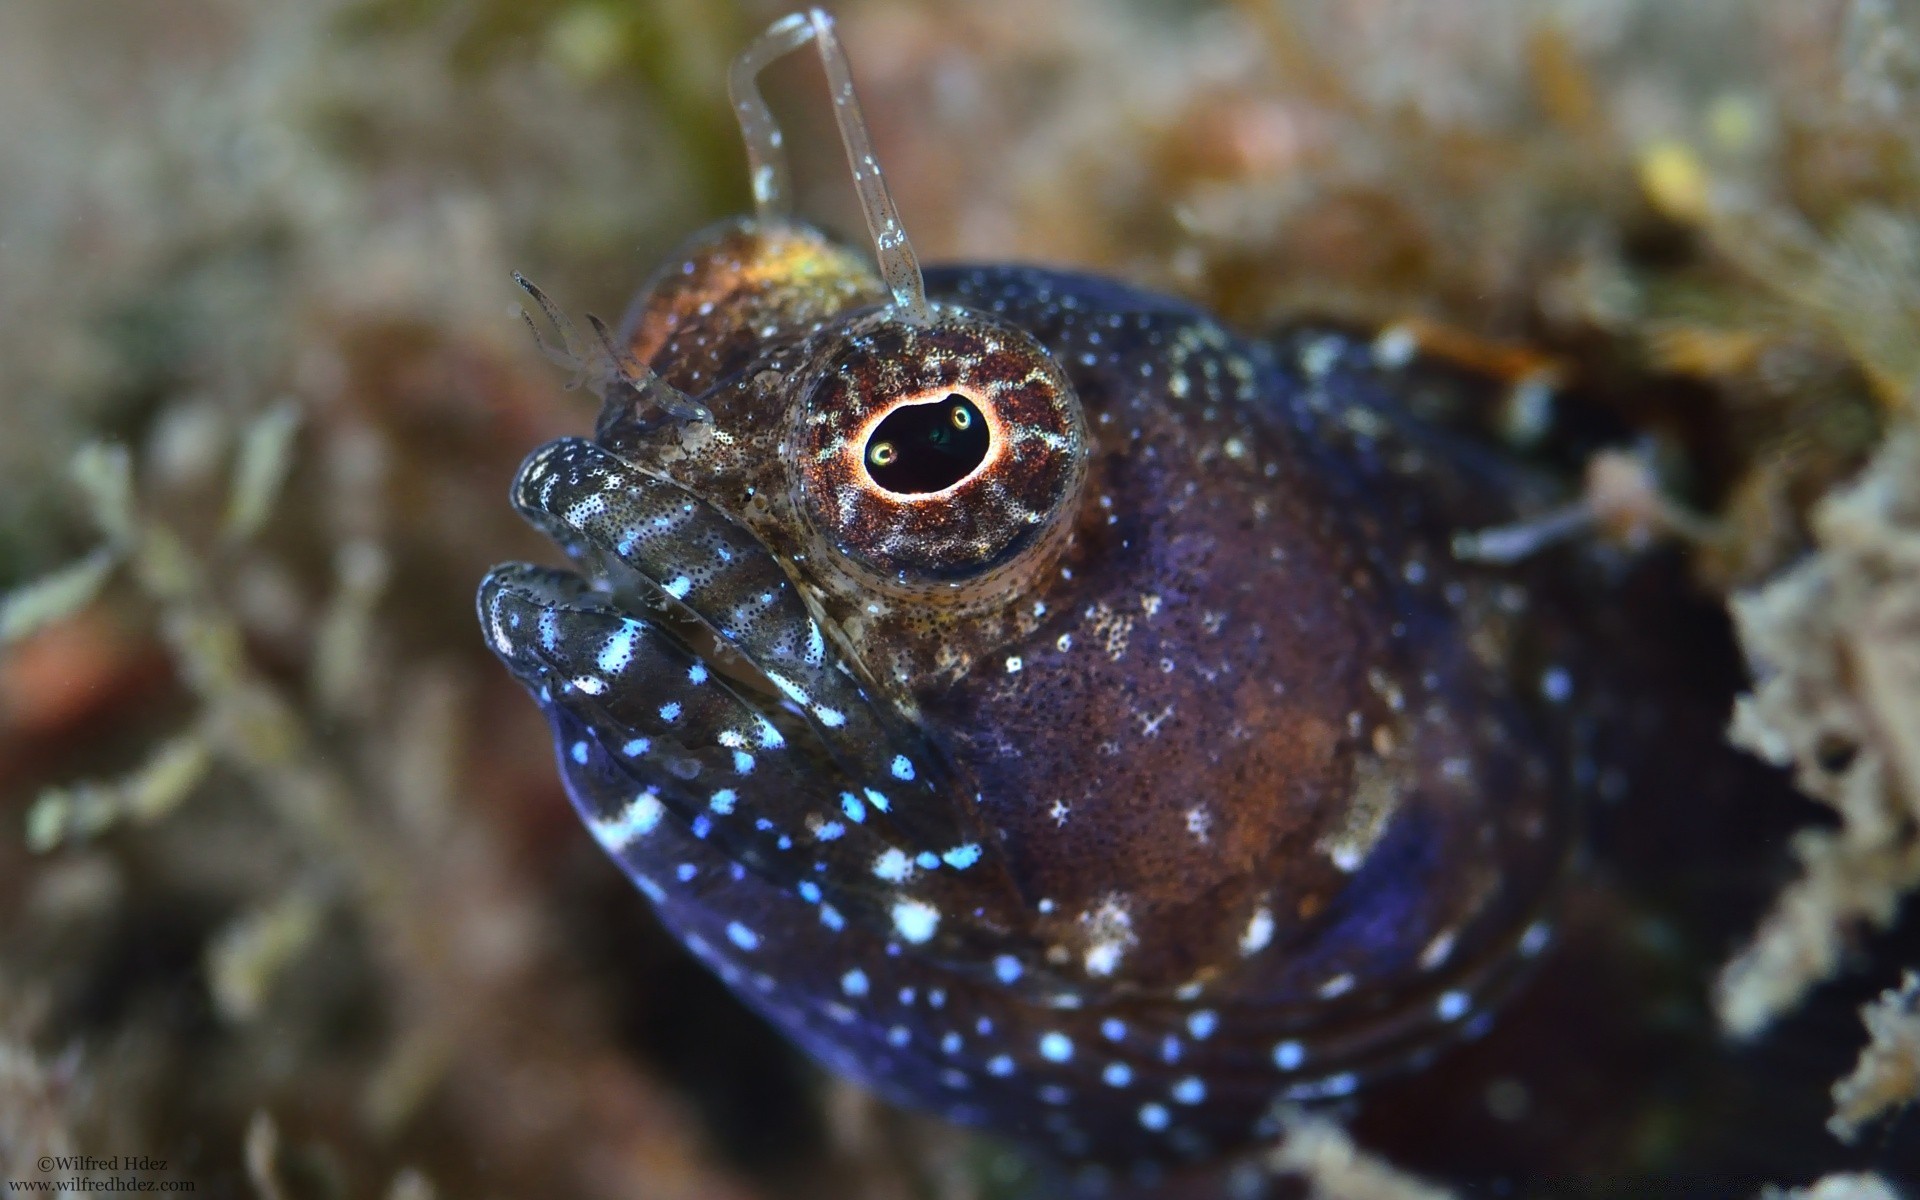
[[921, 448]]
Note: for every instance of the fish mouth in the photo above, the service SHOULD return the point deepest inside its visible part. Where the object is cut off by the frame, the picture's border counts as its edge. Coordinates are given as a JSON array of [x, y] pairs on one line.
[[700, 589], [700, 678]]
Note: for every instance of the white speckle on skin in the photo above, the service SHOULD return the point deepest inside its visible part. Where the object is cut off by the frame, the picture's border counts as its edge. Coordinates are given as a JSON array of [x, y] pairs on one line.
[[742, 937], [1535, 939], [1437, 950], [1150, 726], [1154, 1117], [902, 768], [1339, 985], [892, 865], [1556, 685], [1006, 968], [1000, 1065], [618, 651], [1202, 1024], [635, 821], [1189, 1090], [1113, 1029], [1258, 933], [963, 856], [1109, 934], [854, 982], [1289, 1055], [1319, 355], [1014, 664], [1451, 1006], [1117, 1074], [1056, 1046], [1394, 348], [915, 920]]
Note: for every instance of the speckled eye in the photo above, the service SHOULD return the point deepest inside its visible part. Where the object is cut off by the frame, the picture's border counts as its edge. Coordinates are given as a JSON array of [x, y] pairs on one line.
[[936, 458]]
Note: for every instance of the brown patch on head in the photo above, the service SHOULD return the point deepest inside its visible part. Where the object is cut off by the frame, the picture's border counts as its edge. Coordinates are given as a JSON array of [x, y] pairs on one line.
[[716, 303]]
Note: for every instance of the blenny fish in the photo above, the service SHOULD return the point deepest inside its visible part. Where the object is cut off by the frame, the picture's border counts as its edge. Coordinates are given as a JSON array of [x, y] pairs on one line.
[[1050, 708]]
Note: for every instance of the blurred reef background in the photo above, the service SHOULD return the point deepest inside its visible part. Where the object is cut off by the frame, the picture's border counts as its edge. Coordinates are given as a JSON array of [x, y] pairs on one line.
[[289, 893]]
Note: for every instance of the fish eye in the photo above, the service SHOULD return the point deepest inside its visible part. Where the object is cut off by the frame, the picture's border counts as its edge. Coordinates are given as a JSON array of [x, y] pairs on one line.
[[919, 449], [937, 460]]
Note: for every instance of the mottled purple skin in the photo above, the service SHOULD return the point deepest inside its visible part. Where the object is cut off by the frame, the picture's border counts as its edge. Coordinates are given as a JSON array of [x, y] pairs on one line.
[[1230, 785]]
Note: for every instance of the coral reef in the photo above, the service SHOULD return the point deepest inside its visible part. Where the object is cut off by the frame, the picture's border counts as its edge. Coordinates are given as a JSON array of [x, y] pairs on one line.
[[1835, 644], [1888, 1074]]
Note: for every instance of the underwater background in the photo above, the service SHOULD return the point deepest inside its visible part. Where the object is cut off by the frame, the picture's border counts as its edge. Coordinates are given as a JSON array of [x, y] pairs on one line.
[[291, 899]]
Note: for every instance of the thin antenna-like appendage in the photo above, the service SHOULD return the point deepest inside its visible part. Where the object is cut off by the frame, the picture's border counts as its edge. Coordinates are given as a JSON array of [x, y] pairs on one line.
[[607, 367], [766, 159], [898, 266], [772, 182], [641, 378], [567, 353]]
